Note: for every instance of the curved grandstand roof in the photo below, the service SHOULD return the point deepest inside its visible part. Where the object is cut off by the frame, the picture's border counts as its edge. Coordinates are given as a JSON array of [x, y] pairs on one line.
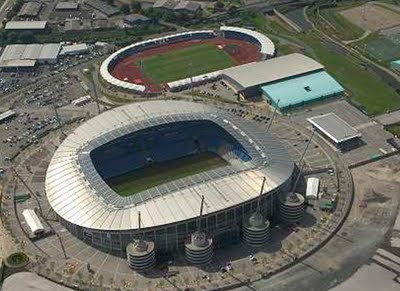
[[267, 46], [104, 69], [78, 194]]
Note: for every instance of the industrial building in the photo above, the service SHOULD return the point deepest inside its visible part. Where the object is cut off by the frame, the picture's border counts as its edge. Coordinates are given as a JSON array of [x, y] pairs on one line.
[[334, 129], [30, 10], [301, 90], [4, 116], [90, 209], [102, 7], [26, 26], [136, 20], [74, 49], [293, 79], [28, 55], [67, 6]]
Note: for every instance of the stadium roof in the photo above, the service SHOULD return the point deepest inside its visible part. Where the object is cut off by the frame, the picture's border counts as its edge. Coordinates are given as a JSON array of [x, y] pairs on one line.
[[334, 127], [67, 6], [260, 73], [267, 47], [26, 25], [301, 90], [80, 196]]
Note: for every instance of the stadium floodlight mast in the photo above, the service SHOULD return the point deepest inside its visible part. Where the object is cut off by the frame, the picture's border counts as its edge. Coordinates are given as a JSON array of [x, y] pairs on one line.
[[201, 214], [273, 115], [259, 197], [301, 165]]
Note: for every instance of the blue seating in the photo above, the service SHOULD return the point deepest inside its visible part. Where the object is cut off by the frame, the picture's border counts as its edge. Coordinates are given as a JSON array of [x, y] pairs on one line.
[[163, 143]]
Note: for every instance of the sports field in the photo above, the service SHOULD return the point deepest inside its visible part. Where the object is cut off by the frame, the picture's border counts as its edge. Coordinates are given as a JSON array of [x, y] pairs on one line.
[[186, 62], [161, 173]]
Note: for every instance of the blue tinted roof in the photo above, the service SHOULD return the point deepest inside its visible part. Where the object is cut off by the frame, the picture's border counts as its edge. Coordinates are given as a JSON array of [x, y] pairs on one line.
[[303, 89], [397, 62]]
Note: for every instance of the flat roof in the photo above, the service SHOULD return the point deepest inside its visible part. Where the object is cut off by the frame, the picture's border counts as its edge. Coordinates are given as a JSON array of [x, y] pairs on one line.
[[260, 73], [301, 90], [6, 114], [67, 6], [80, 196], [74, 48], [334, 127], [24, 55], [30, 9], [26, 25], [102, 7]]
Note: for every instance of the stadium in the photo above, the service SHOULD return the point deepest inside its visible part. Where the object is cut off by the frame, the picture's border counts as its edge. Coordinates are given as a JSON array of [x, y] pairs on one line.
[[159, 158], [185, 58]]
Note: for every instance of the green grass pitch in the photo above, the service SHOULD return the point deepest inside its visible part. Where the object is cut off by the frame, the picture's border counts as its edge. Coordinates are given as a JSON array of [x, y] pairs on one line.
[[180, 64], [161, 173]]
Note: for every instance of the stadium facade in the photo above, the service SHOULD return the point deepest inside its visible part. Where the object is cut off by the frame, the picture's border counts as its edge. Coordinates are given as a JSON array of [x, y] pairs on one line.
[[139, 135]]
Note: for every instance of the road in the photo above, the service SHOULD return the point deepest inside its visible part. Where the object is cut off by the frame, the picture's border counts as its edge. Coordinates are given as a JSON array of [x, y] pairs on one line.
[[3, 10]]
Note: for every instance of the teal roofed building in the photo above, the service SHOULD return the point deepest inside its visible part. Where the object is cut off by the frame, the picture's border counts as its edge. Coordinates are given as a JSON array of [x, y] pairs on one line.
[[301, 90], [395, 65]]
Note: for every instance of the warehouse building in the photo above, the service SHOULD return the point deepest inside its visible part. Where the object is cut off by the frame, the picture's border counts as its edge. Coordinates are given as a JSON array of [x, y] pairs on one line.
[[28, 55], [7, 115], [34, 26], [102, 7], [74, 49], [67, 6], [337, 131], [30, 10], [136, 20], [285, 82], [301, 90]]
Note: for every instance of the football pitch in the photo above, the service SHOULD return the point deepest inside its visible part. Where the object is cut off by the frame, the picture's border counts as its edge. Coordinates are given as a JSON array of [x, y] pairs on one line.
[[160, 173], [184, 63]]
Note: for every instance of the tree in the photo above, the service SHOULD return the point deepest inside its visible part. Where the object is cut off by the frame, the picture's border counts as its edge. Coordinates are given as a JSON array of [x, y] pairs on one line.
[[26, 37], [136, 7], [219, 5], [125, 9], [12, 37], [110, 2]]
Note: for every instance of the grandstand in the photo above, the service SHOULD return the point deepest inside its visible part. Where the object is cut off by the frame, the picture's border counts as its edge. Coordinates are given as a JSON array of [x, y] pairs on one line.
[[229, 157]]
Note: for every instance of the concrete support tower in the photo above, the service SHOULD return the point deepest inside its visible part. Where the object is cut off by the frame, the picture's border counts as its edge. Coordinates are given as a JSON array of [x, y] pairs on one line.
[[256, 230], [291, 204], [141, 254], [200, 249], [291, 207]]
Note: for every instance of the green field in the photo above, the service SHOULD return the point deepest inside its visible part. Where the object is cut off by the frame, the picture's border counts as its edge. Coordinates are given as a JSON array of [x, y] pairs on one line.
[[394, 128], [344, 29], [161, 173], [180, 64]]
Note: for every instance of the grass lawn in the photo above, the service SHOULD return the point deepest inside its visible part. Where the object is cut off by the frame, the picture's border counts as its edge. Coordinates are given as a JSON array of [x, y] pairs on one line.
[[344, 28], [175, 65], [394, 128], [161, 173], [369, 90]]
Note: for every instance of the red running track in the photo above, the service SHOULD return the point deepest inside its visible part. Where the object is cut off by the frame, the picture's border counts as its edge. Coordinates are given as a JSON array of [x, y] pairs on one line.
[[127, 69]]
